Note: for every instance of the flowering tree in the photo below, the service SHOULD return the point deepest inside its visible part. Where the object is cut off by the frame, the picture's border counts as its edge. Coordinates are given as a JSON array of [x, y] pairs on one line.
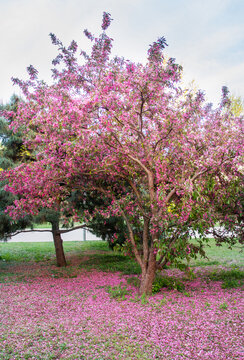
[[13, 153], [130, 132]]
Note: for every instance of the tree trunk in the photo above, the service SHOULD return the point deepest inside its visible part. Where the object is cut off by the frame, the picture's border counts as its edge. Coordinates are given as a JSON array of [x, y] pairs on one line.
[[58, 243], [148, 274]]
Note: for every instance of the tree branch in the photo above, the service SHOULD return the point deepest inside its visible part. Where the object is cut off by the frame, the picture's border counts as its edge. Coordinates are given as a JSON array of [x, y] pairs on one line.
[[27, 231], [72, 229], [140, 113], [139, 162], [140, 203], [160, 265], [47, 230], [150, 176], [169, 196], [132, 239], [199, 174], [163, 138]]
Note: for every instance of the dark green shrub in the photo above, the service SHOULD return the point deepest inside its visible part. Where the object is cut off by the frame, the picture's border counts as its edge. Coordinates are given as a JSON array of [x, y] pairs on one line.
[[167, 282], [236, 274], [231, 283], [231, 278]]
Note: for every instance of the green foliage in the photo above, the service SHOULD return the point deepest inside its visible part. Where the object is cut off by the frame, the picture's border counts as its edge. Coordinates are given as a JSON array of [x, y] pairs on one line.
[[8, 277], [231, 278], [111, 229], [7, 225], [237, 105], [133, 281], [12, 153], [223, 306], [234, 273], [118, 292], [231, 283], [230, 204], [144, 299], [47, 215], [14, 150], [167, 282]]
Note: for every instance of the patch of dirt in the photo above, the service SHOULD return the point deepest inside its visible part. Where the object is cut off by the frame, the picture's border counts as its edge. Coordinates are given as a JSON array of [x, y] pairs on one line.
[[32, 269]]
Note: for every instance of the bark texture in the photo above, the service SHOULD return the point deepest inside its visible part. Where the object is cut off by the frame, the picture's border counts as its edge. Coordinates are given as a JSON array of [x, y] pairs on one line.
[[58, 243], [148, 274]]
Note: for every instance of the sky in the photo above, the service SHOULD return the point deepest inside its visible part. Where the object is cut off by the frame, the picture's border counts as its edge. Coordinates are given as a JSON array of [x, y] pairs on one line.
[[205, 36]]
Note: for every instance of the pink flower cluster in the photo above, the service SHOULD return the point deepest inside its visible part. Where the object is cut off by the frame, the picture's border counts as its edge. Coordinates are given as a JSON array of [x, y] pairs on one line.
[[106, 20]]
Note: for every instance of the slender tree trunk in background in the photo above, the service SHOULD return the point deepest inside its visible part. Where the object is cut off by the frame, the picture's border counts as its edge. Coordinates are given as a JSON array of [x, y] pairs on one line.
[[58, 243]]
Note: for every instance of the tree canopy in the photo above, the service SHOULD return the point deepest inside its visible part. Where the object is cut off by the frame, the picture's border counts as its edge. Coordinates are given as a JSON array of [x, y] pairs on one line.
[[130, 132]]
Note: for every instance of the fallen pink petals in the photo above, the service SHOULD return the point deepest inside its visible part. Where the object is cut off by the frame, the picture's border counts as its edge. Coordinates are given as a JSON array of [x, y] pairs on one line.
[[77, 319]]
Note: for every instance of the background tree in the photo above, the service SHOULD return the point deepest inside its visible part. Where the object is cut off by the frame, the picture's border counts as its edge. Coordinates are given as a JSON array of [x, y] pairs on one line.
[[111, 229], [231, 204], [109, 125], [237, 105], [13, 153]]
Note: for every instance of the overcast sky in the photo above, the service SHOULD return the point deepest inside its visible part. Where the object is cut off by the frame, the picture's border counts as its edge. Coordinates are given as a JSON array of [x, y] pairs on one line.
[[205, 36]]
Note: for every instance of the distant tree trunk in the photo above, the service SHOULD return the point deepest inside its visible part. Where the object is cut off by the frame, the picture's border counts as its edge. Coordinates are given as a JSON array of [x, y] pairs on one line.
[[58, 243]]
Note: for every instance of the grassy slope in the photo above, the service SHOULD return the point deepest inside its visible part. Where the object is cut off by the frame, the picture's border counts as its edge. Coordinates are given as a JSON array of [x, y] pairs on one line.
[[220, 255], [96, 254]]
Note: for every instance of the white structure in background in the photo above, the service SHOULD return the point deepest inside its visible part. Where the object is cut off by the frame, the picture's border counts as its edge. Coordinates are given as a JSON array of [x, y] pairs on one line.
[[75, 235], [35, 236]]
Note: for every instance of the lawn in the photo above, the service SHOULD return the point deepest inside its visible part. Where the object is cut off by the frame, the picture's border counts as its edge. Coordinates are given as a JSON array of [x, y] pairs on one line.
[[91, 310]]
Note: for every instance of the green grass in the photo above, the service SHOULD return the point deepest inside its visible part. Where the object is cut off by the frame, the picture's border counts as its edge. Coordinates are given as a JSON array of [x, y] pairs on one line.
[[232, 278], [46, 225], [41, 251], [43, 254], [217, 255], [111, 262], [220, 255], [13, 277], [20, 252], [118, 292], [97, 255]]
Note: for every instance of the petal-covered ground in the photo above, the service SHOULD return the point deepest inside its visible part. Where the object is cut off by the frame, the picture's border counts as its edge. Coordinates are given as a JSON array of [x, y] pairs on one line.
[[76, 318]]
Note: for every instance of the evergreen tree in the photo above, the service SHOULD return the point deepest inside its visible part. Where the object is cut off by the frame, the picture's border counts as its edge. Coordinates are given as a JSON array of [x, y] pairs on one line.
[[11, 153]]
